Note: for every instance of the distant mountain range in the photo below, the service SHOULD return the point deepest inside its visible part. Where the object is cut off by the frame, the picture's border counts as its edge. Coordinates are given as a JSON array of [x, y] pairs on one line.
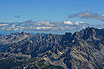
[[80, 50]]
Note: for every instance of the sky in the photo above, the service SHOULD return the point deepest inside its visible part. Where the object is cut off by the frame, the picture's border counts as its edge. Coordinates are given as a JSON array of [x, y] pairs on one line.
[[50, 16], [48, 10]]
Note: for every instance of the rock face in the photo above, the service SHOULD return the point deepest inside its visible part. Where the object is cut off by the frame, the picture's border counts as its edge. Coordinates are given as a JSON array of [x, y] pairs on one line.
[[80, 50]]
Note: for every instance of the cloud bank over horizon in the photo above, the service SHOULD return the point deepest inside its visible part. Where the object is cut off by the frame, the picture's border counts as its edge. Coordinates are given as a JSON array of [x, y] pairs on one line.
[[46, 26]]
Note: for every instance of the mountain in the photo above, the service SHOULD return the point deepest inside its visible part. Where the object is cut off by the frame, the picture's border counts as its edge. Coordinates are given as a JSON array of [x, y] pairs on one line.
[[80, 50], [13, 38]]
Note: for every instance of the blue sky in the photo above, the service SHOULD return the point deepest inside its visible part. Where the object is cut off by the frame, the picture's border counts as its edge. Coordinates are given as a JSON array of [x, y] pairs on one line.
[[47, 10]]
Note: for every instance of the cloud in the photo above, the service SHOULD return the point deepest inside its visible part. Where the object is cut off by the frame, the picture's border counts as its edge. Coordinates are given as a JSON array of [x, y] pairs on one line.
[[16, 16], [28, 21], [88, 15], [46, 26], [43, 28], [30, 25], [3, 24], [102, 14], [78, 22], [67, 22], [44, 23]]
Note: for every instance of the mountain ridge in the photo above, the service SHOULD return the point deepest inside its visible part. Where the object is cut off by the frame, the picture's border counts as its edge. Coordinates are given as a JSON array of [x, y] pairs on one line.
[[83, 49]]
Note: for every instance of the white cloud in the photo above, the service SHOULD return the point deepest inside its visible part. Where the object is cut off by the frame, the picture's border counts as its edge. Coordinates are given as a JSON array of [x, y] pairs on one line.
[[42, 28], [67, 22], [3, 24], [13, 26], [103, 15], [16, 29], [44, 23], [81, 22], [9, 29], [78, 22]]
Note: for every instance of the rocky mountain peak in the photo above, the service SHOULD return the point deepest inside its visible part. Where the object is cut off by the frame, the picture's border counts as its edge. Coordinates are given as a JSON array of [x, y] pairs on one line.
[[81, 50]]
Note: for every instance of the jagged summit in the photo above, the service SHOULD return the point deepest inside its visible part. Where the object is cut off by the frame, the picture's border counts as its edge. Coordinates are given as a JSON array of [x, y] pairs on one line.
[[83, 49]]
